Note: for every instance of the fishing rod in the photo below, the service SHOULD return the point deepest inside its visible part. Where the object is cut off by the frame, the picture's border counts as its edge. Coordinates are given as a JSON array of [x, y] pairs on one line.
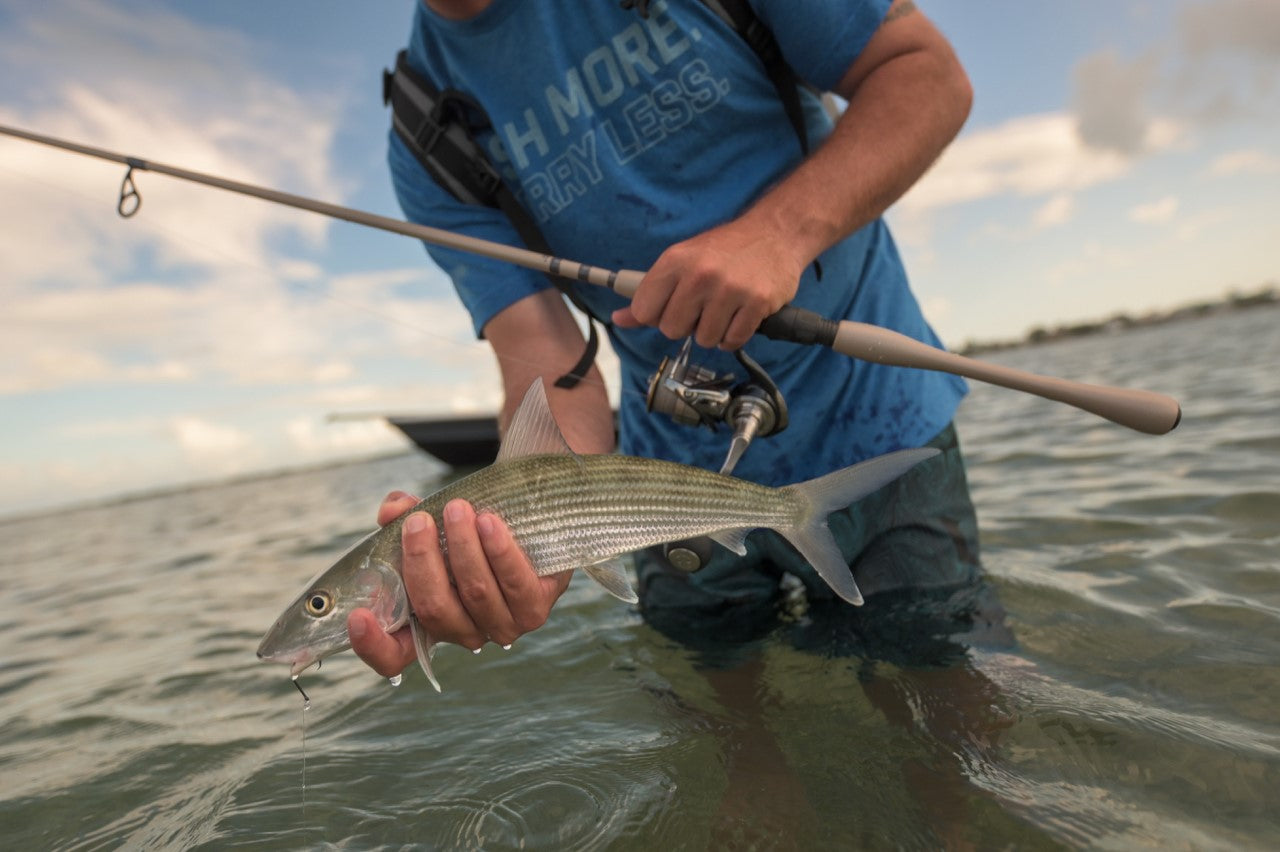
[[1144, 411]]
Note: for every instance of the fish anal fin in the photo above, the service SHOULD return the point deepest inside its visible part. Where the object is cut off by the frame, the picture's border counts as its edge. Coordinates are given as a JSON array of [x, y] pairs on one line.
[[735, 539], [613, 576]]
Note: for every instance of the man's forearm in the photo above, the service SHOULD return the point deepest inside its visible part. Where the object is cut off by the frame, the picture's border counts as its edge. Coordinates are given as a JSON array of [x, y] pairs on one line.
[[537, 338]]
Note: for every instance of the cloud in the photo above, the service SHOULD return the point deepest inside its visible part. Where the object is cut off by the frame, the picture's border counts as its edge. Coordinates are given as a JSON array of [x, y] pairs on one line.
[[197, 284], [1028, 156], [317, 438], [1251, 161], [1155, 212], [1220, 64], [1058, 210], [1248, 28], [1109, 102], [200, 437], [201, 284]]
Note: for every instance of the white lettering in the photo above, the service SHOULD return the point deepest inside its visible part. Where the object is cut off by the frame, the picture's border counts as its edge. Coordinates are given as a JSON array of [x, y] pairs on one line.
[[570, 104], [633, 53], [516, 141], [660, 28], [603, 77]]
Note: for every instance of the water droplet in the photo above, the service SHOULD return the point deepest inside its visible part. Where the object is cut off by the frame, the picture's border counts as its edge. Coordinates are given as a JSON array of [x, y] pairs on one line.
[[395, 680]]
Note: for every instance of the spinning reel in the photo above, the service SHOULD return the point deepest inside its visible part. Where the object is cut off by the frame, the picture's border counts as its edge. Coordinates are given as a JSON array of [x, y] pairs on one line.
[[694, 395]]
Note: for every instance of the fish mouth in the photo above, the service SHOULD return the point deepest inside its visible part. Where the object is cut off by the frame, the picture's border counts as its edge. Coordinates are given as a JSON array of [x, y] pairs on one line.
[[298, 661], [300, 666]]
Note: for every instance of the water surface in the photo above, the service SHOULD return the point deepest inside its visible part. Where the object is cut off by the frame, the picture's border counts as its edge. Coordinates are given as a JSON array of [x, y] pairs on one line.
[[1136, 709]]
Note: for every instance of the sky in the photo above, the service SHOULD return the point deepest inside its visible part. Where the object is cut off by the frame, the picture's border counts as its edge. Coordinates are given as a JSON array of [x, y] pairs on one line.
[[1121, 156]]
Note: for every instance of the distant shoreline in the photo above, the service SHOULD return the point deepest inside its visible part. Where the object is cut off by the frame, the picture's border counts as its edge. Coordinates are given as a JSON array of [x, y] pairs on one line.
[[1268, 296]]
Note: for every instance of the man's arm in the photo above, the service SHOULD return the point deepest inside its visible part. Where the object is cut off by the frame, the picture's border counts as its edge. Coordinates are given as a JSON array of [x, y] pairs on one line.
[[908, 97], [487, 590], [538, 337]]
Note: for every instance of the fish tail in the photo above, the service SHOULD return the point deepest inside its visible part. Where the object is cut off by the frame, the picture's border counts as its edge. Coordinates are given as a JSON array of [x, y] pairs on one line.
[[826, 494]]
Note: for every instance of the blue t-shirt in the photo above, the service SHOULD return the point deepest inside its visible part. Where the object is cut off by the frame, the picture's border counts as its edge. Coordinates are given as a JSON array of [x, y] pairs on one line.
[[623, 136]]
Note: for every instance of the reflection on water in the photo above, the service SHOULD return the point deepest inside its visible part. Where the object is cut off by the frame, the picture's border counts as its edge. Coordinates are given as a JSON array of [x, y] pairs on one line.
[[1141, 576]]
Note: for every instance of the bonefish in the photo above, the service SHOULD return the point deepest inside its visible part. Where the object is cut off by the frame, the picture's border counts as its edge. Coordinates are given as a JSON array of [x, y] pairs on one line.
[[569, 511]]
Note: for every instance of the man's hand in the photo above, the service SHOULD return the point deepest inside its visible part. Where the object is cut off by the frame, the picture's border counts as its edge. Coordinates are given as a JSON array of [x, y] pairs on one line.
[[485, 590], [907, 98], [718, 286]]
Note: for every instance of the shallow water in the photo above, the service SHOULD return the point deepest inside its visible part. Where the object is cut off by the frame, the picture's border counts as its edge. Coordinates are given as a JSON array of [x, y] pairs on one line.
[[1138, 707]]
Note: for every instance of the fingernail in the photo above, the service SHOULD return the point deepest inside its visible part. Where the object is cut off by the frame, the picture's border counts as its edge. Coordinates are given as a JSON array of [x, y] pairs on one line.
[[356, 628], [484, 524], [453, 511], [415, 523]]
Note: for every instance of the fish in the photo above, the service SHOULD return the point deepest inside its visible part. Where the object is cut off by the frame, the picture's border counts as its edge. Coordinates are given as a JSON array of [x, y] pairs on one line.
[[571, 511]]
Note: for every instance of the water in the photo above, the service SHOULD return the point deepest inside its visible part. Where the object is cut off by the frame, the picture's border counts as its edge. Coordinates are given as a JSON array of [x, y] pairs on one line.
[[1138, 708]]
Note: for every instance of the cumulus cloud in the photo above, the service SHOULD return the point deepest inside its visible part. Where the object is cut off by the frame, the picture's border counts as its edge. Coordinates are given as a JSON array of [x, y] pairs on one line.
[[1222, 58], [201, 284], [1109, 102], [1026, 156], [1221, 63]]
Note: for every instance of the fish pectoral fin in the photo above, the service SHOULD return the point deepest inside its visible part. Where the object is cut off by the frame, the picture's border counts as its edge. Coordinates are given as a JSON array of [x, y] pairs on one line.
[[426, 648], [735, 540], [613, 576]]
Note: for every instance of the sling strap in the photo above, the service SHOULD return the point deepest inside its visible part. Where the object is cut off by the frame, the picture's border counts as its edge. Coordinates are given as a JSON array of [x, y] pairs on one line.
[[439, 127], [743, 20]]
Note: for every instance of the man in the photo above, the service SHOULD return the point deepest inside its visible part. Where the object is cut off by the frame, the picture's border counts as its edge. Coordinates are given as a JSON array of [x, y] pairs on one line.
[[658, 143]]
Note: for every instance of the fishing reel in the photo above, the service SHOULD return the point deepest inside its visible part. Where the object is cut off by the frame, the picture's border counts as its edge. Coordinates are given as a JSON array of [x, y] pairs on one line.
[[694, 395]]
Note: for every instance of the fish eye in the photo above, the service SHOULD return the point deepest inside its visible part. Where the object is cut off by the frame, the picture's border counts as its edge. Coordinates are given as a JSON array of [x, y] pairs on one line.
[[318, 603]]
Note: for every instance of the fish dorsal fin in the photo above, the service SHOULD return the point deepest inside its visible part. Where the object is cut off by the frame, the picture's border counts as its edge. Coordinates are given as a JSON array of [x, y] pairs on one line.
[[533, 431]]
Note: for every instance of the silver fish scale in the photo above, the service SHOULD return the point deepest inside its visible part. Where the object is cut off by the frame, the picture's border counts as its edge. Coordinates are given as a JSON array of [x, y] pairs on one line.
[[568, 511]]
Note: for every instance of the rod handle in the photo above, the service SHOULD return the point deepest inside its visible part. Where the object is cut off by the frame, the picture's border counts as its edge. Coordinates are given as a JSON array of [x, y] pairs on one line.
[[1145, 411]]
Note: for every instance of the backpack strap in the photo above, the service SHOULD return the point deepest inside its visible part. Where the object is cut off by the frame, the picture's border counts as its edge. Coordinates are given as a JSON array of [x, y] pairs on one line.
[[739, 15], [439, 126]]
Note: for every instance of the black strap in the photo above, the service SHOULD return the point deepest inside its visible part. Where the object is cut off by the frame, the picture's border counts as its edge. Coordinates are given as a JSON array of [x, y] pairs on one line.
[[739, 15], [439, 126]]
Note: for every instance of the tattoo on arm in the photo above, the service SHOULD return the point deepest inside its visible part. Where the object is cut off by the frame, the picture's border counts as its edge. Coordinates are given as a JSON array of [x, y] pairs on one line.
[[899, 10]]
